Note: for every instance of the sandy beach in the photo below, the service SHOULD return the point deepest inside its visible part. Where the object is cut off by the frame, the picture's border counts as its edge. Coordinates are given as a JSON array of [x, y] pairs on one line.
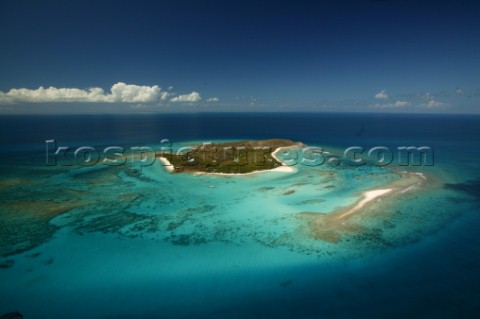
[[331, 226], [166, 163], [278, 150], [281, 169], [368, 196]]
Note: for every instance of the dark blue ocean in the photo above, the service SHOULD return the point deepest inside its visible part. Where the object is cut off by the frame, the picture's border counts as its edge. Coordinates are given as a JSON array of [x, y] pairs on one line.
[[116, 242], [332, 128]]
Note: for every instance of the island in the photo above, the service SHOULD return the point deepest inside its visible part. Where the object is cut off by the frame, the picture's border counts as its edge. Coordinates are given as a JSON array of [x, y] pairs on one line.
[[242, 157], [253, 157]]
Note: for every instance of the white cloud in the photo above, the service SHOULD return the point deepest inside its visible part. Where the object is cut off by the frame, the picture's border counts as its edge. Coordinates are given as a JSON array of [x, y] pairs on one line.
[[164, 95], [397, 104], [459, 91], [402, 103], [53, 94], [382, 95], [192, 97], [213, 99], [120, 93], [426, 100], [433, 104]]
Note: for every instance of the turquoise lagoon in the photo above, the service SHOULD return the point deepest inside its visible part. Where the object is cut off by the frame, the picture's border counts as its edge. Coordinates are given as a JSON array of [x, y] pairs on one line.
[[125, 242]]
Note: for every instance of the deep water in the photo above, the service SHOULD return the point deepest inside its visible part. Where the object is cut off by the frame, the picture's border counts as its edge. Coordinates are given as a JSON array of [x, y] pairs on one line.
[[134, 241]]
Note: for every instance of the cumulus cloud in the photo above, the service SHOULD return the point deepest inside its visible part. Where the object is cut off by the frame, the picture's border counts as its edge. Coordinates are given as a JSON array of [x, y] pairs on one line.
[[397, 104], [213, 99], [122, 92], [382, 95], [119, 93], [431, 102], [53, 94], [459, 91], [190, 98]]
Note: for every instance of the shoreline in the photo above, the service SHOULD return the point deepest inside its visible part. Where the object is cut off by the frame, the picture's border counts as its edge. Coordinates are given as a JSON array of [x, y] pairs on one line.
[[166, 163], [283, 168], [368, 196]]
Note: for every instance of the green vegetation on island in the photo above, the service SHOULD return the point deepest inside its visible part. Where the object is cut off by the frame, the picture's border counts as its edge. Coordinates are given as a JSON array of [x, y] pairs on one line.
[[229, 157]]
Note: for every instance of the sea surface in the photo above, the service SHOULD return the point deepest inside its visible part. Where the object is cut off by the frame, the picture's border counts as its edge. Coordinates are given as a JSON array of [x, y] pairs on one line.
[[135, 241]]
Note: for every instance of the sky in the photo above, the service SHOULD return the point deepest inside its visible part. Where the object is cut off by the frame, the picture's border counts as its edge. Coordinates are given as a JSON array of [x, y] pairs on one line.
[[239, 56]]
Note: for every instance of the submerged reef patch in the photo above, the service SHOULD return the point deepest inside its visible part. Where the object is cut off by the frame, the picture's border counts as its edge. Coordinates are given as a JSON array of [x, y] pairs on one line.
[[26, 224], [331, 227]]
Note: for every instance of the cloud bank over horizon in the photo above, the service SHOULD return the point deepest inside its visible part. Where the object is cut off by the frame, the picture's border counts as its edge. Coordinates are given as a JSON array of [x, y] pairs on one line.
[[119, 93], [418, 101], [124, 97]]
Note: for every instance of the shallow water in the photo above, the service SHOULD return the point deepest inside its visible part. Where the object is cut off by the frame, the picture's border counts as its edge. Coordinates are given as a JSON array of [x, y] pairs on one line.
[[120, 242]]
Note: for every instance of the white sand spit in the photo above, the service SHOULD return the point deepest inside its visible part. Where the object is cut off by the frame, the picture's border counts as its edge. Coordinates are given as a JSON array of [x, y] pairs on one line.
[[166, 163], [368, 196]]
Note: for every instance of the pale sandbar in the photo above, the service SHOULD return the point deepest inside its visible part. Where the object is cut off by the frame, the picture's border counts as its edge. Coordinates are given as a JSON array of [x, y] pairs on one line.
[[331, 226]]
